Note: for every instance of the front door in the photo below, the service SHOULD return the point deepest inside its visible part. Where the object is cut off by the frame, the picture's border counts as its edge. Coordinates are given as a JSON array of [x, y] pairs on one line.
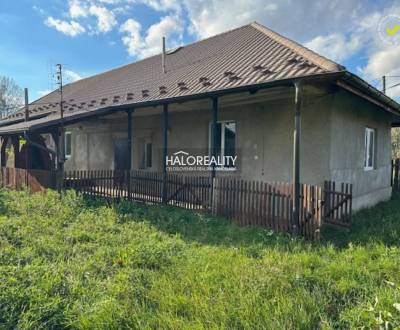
[[121, 154]]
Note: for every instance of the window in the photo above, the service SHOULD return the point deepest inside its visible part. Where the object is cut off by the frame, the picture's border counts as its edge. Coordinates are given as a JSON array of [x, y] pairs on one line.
[[369, 152], [226, 139], [147, 152], [68, 144]]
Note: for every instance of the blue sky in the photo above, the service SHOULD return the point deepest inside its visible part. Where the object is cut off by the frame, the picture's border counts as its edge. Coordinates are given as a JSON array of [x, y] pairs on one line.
[[91, 36]]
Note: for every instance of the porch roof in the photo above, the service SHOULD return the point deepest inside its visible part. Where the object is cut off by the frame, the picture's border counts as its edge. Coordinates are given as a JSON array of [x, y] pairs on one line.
[[246, 57]]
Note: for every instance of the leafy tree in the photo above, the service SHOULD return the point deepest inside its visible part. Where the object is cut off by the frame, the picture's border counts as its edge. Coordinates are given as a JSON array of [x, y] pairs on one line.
[[395, 143], [11, 96]]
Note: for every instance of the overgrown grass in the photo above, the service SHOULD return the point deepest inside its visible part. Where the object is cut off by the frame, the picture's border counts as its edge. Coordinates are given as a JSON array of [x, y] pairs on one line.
[[74, 263]]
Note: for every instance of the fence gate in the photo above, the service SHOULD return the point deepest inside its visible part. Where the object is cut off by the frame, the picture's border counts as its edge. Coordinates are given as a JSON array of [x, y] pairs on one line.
[[338, 203]]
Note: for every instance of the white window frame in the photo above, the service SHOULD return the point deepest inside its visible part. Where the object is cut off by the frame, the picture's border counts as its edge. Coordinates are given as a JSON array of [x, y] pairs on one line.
[[367, 147], [222, 122], [65, 144]]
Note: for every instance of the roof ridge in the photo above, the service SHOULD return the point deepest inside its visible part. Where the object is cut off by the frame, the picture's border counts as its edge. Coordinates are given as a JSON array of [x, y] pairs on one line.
[[312, 56]]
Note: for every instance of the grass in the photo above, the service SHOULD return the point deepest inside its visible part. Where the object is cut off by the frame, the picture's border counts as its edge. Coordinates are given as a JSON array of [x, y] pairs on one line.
[[66, 262]]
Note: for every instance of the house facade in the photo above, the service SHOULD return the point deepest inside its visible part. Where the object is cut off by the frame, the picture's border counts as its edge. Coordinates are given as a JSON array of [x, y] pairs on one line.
[[116, 120]]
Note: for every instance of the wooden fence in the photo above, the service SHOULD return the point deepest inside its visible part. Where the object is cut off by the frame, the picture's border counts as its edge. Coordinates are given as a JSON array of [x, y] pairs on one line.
[[191, 192], [268, 205], [35, 180], [244, 202], [338, 203]]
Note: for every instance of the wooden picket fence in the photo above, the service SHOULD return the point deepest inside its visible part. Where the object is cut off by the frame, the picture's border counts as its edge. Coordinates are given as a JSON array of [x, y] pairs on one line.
[[268, 205], [338, 203], [244, 202], [191, 192]]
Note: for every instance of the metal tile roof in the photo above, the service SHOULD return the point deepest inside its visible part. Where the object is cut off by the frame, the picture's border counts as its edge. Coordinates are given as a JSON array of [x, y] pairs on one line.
[[248, 55]]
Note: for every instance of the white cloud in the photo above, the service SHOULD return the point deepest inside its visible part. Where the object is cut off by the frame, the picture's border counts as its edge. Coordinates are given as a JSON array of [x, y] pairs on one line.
[[105, 18], [164, 5], [71, 28], [150, 44], [71, 76], [336, 46], [133, 39], [76, 9], [384, 62]]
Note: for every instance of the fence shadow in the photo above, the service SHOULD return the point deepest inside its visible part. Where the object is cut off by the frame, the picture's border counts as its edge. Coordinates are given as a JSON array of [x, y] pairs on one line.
[[196, 227], [380, 224]]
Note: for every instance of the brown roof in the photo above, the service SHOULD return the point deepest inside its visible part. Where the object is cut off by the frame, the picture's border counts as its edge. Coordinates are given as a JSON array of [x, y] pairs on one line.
[[246, 56]]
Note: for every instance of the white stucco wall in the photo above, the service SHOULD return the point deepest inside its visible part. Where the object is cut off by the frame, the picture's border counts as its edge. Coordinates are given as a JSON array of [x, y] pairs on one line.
[[350, 117]]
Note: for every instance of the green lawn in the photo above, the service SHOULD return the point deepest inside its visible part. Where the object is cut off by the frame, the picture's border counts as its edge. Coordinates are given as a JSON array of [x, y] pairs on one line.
[[70, 263]]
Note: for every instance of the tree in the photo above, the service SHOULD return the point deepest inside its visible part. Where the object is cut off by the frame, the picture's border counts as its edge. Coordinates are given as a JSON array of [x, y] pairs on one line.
[[396, 142], [11, 96]]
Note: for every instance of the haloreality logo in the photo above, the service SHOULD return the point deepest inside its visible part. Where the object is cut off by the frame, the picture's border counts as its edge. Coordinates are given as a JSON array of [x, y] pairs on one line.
[[389, 29], [185, 161]]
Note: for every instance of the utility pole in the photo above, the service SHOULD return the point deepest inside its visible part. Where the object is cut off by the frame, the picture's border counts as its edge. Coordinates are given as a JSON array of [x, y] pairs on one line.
[[27, 148], [384, 84], [61, 139]]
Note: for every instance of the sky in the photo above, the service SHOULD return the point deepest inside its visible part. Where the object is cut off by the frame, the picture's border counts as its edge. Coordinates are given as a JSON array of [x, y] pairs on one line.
[[92, 36]]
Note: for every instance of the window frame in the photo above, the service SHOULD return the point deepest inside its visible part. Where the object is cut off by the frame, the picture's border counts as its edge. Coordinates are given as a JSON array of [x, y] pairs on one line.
[[148, 158], [145, 155], [222, 153], [367, 148], [69, 134]]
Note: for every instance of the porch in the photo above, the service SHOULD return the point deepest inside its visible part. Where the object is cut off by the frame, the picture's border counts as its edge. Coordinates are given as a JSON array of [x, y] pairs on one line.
[[123, 155]]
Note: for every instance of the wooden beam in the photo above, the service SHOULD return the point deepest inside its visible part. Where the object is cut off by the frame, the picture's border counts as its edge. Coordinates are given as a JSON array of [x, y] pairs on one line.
[[214, 132], [130, 144], [15, 142], [130, 138], [296, 157], [165, 152], [3, 150]]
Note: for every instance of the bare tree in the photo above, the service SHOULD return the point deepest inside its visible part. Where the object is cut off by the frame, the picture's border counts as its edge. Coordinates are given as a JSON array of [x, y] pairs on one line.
[[11, 96]]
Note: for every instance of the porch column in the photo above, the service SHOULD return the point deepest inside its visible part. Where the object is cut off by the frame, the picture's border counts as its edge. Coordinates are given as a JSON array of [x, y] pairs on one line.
[[130, 138], [15, 143], [214, 132], [4, 141], [296, 157], [59, 142], [54, 135], [165, 152], [27, 146], [130, 144]]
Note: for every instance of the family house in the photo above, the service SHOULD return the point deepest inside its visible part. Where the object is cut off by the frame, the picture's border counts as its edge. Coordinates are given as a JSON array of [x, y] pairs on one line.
[[285, 113]]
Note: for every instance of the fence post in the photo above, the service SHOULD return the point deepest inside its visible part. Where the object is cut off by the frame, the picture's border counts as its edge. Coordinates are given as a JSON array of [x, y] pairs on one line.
[[213, 204]]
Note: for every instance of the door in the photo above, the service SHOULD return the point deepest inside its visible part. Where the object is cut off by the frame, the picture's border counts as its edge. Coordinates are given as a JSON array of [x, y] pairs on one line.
[[121, 154]]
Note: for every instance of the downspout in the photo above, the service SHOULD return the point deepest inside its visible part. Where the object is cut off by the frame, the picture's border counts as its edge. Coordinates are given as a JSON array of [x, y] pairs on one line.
[[296, 157]]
